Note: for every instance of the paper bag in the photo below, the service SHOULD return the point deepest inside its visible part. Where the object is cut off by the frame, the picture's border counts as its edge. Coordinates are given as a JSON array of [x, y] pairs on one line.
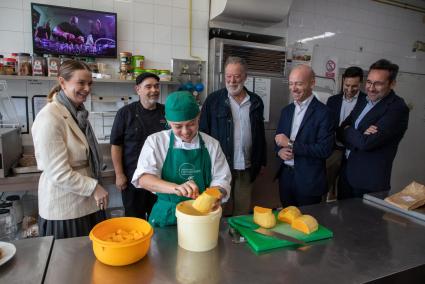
[[411, 197]]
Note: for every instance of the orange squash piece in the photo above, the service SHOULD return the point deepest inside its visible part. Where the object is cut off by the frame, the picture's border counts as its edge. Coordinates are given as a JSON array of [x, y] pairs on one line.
[[306, 224], [288, 214], [205, 202], [264, 217]]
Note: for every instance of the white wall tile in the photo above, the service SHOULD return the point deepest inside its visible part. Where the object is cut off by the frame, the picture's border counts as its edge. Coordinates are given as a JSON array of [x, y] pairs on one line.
[[162, 15], [200, 20], [103, 5], [162, 34], [143, 12], [82, 4], [125, 46], [15, 4], [143, 48], [161, 52], [181, 3], [28, 42], [202, 5], [143, 32], [124, 10], [11, 19], [163, 2], [180, 52], [125, 30], [65, 3], [11, 42], [180, 17], [26, 21], [144, 1], [199, 38], [180, 36]]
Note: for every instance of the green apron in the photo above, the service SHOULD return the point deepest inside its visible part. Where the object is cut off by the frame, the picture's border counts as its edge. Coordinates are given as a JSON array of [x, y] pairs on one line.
[[180, 165]]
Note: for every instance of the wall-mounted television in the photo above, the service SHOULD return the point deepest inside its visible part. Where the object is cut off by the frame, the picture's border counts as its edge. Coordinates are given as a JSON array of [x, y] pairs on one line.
[[75, 32]]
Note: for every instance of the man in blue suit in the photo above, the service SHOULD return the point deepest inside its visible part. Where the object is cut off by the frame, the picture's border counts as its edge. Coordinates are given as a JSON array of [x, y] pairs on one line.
[[371, 134], [304, 139], [341, 106]]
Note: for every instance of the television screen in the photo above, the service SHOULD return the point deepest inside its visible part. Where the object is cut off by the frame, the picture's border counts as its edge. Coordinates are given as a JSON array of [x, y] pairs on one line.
[[72, 31]]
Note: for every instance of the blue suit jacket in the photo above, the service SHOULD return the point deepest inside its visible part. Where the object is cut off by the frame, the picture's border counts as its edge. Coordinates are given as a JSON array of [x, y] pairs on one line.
[[371, 158], [334, 103], [312, 146]]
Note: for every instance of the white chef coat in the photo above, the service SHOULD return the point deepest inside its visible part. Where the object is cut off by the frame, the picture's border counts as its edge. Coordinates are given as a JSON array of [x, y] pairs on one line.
[[154, 152]]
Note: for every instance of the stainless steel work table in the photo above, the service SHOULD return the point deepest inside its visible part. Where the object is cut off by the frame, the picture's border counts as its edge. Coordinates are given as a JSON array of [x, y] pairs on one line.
[[368, 244], [29, 263]]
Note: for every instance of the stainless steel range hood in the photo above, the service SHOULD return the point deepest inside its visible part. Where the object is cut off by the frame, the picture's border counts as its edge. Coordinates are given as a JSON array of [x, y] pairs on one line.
[[253, 12]]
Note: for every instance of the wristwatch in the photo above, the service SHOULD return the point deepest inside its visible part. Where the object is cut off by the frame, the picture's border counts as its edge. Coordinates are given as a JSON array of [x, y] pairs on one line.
[[290, 144]]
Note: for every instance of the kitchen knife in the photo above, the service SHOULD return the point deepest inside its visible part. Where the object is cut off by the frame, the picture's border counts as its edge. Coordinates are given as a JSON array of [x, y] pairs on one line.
[[281, 236]]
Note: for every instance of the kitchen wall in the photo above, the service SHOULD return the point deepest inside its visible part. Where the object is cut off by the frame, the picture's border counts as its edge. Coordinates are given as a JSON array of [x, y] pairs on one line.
[[365, 31], [157, 29]]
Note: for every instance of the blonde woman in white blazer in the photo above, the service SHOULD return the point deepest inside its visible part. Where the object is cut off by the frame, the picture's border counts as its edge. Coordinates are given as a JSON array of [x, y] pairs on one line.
[[70, 197]]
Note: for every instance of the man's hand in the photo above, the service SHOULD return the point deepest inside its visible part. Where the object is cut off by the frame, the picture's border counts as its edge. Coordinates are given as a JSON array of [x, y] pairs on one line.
[[286, 154], [121, 182], [281, 140], [371, 130]]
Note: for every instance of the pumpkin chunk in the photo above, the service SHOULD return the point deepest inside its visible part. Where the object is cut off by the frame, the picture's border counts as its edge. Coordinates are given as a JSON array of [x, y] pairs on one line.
[[288, 214], [205, 202], [264, 217], [306, 224]]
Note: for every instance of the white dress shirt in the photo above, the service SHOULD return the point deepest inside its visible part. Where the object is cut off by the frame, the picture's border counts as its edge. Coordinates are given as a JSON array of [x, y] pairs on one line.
[[299, 112], [242, 136], [347, 107], [154, 152]]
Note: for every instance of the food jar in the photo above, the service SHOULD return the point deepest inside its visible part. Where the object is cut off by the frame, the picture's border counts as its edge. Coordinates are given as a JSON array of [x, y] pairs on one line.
[[8, 226], [137, 61], [24, 64], [53, 64], [164, 75], [125, 61], [39, 65], [9, 66], [18, 210]]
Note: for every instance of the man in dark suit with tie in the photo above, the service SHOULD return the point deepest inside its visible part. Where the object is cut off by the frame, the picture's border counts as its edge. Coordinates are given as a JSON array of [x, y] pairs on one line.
[[371, 134], [341, 106], [304, 140]]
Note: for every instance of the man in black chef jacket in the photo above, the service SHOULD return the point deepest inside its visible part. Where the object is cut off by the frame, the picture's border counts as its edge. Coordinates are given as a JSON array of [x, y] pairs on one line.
[[132, 125]]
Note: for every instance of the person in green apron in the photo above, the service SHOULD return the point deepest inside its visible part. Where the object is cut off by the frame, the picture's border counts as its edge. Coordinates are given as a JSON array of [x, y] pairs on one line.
[[180, 163]]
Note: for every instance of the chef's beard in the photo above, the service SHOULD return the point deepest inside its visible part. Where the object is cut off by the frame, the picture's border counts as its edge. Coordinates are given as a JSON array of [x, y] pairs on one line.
[[234, 90]]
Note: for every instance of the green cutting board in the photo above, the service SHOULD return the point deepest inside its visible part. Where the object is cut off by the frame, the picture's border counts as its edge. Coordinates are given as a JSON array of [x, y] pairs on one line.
[[245, 225]]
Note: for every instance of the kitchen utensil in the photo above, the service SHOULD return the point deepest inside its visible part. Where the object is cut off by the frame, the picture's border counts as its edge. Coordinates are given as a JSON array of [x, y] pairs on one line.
[[281, 236]]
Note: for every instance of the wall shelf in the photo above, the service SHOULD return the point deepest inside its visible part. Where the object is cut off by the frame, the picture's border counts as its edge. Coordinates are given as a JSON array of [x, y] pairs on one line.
[[44, 78]]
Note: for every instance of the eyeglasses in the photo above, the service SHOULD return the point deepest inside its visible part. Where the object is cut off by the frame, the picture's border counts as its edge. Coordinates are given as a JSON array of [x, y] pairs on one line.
[[376, 84]]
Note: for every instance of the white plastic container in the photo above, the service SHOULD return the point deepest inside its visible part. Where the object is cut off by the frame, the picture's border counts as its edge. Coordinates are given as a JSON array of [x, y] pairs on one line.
[[198, 233]]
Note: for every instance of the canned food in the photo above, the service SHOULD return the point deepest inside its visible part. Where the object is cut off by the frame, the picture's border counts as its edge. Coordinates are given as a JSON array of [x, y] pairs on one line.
[[24, 64], [137, 61], [9, 66], [164, 75]]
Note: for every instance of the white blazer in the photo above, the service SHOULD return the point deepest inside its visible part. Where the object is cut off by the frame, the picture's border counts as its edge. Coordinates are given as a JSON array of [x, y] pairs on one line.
[[65, 188]]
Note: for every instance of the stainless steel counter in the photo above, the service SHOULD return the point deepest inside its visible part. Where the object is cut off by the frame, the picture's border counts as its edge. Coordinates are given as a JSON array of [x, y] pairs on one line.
[[368, 244], [29, 263]]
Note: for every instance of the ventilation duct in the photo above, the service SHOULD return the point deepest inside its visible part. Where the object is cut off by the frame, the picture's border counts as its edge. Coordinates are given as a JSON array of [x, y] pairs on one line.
[[252, 12]]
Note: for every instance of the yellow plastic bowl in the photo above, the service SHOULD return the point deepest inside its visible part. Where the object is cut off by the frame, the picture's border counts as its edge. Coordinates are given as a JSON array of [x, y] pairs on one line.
[[118, 254]]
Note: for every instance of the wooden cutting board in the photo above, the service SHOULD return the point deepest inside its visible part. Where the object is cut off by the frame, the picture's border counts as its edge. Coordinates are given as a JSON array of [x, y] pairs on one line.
[[245, 225]]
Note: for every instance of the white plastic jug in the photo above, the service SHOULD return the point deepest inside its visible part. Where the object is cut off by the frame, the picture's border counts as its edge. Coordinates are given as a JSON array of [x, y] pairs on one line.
[[198, 233]]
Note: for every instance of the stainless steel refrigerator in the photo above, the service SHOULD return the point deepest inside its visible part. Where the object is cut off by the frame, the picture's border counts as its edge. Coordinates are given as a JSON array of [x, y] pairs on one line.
[[266, 69]]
